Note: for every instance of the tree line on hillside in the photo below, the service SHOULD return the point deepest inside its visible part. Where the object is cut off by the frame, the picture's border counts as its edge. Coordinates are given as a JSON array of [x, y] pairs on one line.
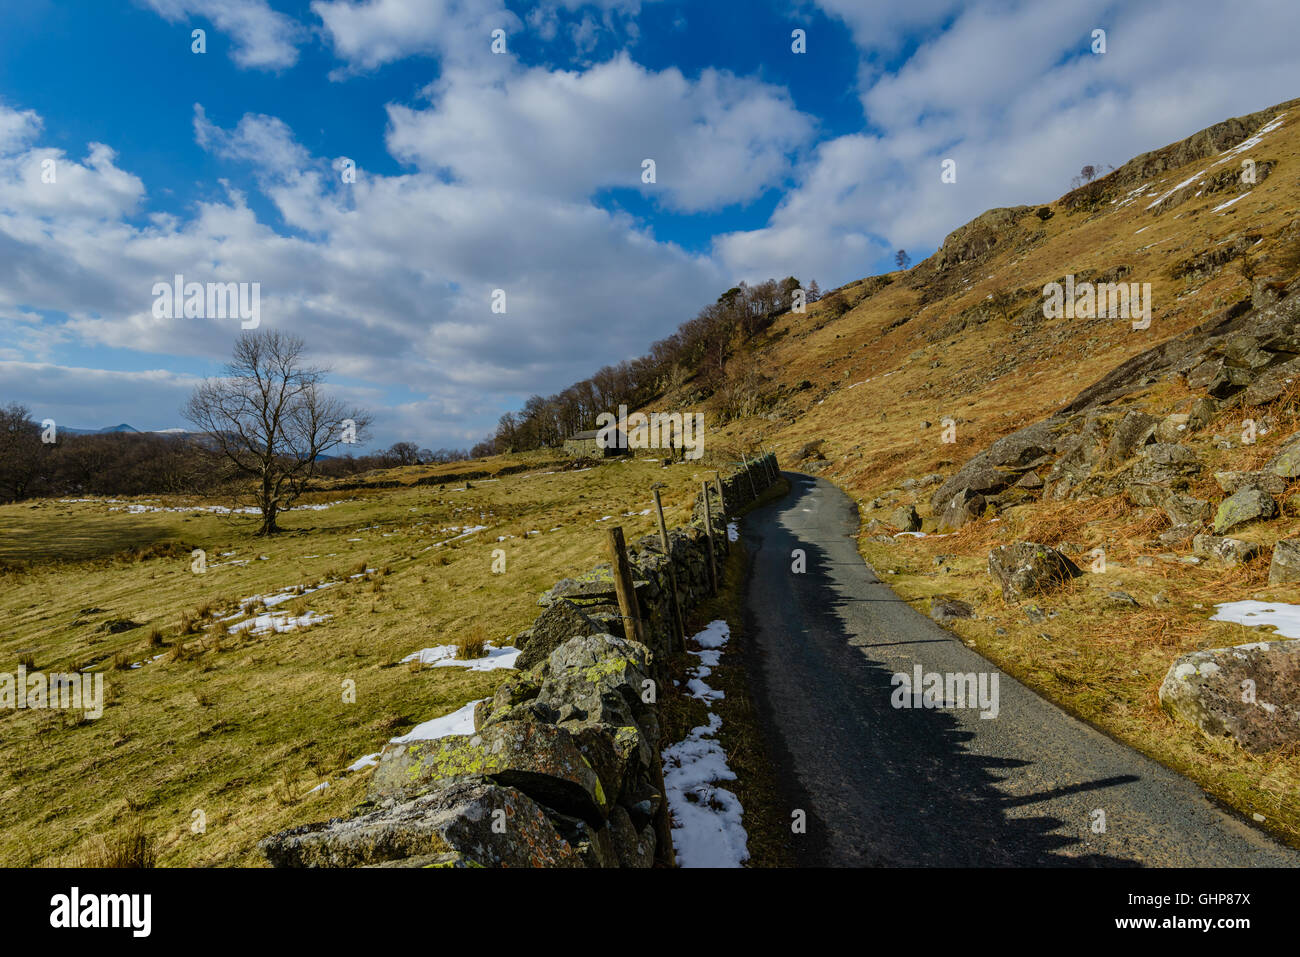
[[698, 353], [146, 463]]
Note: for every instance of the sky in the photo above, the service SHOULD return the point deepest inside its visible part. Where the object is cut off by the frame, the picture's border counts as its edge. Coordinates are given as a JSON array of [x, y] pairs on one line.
[[380, 171]]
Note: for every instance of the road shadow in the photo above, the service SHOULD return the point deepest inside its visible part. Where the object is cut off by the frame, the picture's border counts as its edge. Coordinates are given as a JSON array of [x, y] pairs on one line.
[[881, 785]]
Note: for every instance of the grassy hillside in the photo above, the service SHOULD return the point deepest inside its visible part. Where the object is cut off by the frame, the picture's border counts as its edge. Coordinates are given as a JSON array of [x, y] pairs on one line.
[[241, 726]]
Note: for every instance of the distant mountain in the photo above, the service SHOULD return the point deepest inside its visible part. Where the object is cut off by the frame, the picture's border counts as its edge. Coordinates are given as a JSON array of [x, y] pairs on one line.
[[121, 427]]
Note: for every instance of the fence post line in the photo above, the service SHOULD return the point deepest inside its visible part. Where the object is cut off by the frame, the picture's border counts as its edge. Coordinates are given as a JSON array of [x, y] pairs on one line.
[[722, 499], [678, 612], [623, 585], [708, 530]]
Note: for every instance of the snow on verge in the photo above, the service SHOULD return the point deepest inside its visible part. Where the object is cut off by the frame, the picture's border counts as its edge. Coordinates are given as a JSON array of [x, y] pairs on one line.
[[1285, 617], [707, 829]]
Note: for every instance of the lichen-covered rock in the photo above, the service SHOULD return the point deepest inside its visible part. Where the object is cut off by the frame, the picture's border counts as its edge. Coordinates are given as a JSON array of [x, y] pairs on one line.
[[1173, 428], [541, 760], [1243, 507], [1285, 566], [601, 680], [1287, 461], [458, 823], [1026, 569], [1233, 482], [1250, 693], [1230, 551], [561, 621], [1272, 383]]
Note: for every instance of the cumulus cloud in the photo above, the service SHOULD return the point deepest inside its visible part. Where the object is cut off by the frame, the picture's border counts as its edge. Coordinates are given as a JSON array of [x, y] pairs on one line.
[[717, 140], [264, 38], [1013, 94], [370, 33]]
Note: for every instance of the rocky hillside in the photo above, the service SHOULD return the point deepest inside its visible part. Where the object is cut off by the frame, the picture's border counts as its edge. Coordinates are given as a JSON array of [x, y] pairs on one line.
[[1146, 468]]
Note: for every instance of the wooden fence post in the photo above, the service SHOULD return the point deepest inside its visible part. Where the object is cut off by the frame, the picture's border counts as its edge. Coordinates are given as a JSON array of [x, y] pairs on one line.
[[752, 487], [623, 585], [708, 530], [678, 612], [722, 499]]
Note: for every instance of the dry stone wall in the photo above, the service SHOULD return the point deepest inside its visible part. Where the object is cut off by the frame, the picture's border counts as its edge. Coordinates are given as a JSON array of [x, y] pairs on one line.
[[563, 767]]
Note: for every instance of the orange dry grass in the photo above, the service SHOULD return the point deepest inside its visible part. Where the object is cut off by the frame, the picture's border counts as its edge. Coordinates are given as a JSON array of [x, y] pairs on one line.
[[1065, 521]]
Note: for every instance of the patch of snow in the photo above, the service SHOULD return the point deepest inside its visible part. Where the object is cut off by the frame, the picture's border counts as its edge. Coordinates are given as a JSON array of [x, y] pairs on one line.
[[733, 531], [1285, 617], [444, 656], [1234, 199], [460, 721], [707, 819]]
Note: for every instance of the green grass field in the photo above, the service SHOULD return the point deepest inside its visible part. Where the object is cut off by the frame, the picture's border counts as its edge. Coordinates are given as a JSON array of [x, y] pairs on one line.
[[234, 730]]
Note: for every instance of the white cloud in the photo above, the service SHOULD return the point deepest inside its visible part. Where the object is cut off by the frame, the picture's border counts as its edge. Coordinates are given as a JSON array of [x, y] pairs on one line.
[[1012, 92], [264, 39], [370, 33], [715, 141]]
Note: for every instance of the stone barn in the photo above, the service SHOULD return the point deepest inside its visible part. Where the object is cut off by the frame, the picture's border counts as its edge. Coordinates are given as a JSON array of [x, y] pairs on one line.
[[583, 445]]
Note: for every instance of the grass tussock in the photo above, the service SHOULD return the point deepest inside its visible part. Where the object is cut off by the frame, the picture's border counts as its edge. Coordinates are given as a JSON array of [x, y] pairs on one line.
[[130, 847], [472, 642]]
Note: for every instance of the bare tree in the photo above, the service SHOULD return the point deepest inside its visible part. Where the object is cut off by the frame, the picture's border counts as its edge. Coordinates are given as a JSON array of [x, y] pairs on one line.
[[268, 419], [20, 452], [901, 259]]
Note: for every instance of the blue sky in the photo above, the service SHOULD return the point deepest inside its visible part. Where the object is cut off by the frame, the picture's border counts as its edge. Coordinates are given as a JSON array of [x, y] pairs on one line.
[[521, 171]]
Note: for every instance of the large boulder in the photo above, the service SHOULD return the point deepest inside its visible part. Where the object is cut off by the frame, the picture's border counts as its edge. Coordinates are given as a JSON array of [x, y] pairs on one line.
[[561, 621], [468, 822], [1272, 383], [906, 519], [1250, 693], [1027, 569], [1000, 465], [1243, 507], [542, 760], [1285, 567]]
